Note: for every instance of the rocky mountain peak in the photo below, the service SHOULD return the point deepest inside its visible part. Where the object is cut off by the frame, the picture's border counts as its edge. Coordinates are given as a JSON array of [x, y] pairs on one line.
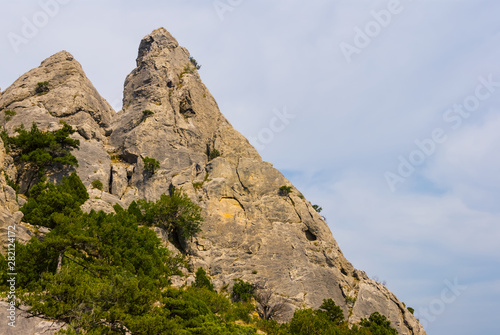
[[62, 56], [57, 90], [168, 114], [252, 230], [156, 43]]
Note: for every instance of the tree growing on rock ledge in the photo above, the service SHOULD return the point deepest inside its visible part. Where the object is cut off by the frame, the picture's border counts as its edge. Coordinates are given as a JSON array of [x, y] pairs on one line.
[[285, 190], [150, 164], [174, 213], [38, 151]]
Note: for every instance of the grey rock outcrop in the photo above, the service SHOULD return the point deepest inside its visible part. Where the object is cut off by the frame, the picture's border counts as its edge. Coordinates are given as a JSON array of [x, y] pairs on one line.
[[26, 324], [251, 230], [10, 216]]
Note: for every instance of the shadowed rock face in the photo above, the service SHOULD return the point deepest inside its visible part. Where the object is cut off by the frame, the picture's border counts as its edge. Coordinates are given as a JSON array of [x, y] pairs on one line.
[[250, 230]]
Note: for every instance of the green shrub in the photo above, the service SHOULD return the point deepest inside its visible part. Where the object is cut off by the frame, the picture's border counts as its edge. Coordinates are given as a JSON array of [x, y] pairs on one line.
[[9, 114], [332, 311], [174, 213], [195, 63], [214, 154], [378, 324], [285, 190], [42, 150], [317, 208], [202, 280], [308, 321], [242, 291], [42, 87], [5, 139], [94, 269], [48, 201], [147, 113], [150, 164], [272, 327], [97, 184]]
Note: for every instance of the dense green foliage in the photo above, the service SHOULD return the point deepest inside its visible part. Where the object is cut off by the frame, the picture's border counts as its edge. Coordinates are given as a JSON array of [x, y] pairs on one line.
[[176, 214], [47, 202], [97, 184], [99, 272], [109, 274], [39, 150], [45, 148], [5, 139], [202, 280], [332, 311], [319, 322], [242, 291], [378, 324], [150, 164]]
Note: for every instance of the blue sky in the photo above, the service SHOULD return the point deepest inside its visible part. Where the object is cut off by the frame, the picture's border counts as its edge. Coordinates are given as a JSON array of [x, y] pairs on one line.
[[357, 117]]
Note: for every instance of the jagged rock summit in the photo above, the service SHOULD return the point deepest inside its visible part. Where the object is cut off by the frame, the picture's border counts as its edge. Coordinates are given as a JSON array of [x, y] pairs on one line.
[[251, 230]]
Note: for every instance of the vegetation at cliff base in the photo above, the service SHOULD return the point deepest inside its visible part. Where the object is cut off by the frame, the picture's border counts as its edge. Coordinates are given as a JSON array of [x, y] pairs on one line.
[[48, 202], [175, 213], [109, 273]]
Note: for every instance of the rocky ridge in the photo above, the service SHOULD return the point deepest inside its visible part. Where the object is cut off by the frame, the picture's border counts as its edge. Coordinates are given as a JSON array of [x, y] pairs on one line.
[[251, 230]]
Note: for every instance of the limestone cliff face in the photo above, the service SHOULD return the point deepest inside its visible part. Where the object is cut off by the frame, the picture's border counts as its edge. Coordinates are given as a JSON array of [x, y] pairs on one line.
[[250, 231], [9, 208]]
